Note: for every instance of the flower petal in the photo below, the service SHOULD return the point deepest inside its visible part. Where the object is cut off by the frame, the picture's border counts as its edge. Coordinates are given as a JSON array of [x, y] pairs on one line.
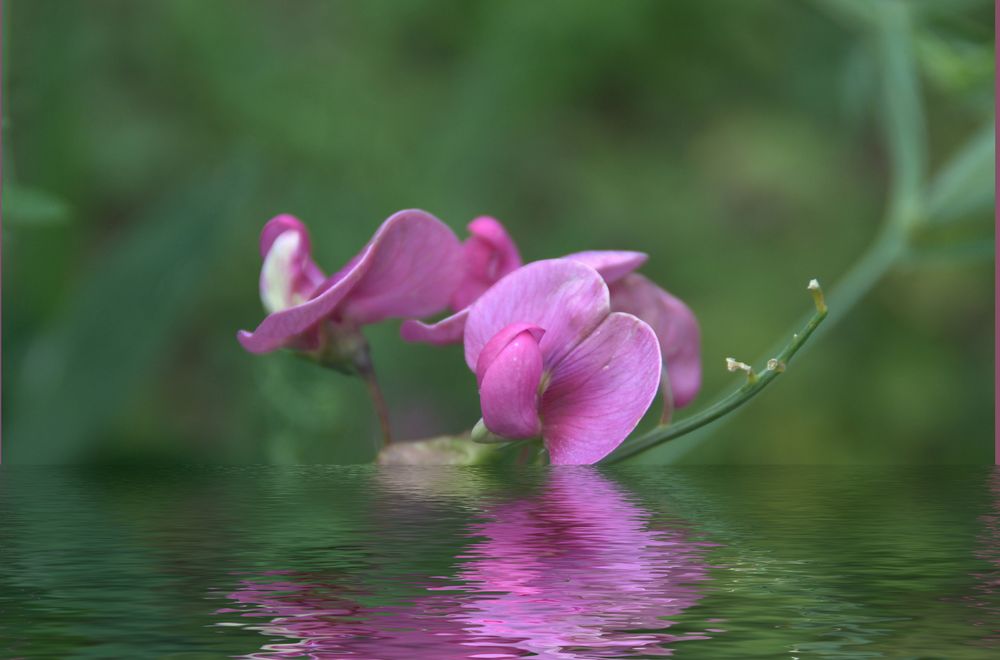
[[676, 329], [566, 298], [611, 264], [288, 276], [413, 266], [277, 226], [409, 268], [509, 371], [499, 342], [285, 327], [600, 391], [448, 330], [489, 254]]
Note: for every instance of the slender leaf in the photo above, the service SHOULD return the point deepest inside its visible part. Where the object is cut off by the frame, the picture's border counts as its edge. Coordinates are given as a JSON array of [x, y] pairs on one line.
[[965, 185], [979, 249], [902, 111], [27, 206], [82, 371], [854, 13]]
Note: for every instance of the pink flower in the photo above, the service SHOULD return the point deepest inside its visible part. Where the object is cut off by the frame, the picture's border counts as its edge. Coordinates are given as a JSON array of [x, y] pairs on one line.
[[674, 323], [676, 329], [491, 254], [553, 360], [410, 268]]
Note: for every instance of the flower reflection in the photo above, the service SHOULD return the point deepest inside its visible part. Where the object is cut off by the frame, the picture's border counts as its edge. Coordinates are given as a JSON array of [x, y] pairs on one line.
[[575, 571]]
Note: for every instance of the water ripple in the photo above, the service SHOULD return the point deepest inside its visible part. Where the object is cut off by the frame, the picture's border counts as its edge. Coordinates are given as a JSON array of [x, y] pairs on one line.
[[484, 563]]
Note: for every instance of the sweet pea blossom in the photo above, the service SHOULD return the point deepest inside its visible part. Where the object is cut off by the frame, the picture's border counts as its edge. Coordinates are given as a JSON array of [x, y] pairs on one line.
[[410, 268], [491, 253], [673, 322], [488, 254], [552, 360]]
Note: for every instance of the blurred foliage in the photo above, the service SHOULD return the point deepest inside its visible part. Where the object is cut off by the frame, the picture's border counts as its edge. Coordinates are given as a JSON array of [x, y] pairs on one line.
[[742, 145]]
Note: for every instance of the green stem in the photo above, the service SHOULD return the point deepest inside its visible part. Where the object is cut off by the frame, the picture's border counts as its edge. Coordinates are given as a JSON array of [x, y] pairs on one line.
[[752, 388], [855, 284], [905, 132]]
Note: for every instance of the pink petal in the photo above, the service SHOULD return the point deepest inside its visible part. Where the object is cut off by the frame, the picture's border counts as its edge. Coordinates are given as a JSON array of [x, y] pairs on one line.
[[611, 264], [340, 274], [409, 268], [489, 254], [676, 329], [446, 331], [566, 298], [284, 328], [277, 226], [414, 265], [509, 371], [499, 343], [289, 276], [600, 391]]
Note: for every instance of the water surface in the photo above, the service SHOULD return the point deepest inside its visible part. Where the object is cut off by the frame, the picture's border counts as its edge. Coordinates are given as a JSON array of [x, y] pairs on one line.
[[444, 563]]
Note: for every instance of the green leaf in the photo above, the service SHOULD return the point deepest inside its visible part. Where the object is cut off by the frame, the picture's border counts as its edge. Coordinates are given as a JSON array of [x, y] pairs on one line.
[[854, 13], [950, 241], [120, 320], [902, 111], [443, 450], [980, 249], [27, 206], [859, 85], [901, 105], [965, 185]]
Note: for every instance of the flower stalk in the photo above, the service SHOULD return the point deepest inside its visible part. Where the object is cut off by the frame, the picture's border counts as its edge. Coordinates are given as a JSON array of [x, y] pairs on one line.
[[363, 363], [350, 354], [756, 382]]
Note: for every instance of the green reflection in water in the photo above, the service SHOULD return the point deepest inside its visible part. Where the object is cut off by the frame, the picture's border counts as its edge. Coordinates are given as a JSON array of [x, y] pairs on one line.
[[449, 562]]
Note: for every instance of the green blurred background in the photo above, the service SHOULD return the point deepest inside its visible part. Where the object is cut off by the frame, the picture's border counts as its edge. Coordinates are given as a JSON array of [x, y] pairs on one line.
[[746, 146]]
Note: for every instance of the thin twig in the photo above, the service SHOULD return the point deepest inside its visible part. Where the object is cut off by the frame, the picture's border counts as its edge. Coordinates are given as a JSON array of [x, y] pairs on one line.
[[753, 387]]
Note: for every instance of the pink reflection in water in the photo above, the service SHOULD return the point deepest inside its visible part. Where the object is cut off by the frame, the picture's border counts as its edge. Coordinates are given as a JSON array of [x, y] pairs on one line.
[[575, 572]]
